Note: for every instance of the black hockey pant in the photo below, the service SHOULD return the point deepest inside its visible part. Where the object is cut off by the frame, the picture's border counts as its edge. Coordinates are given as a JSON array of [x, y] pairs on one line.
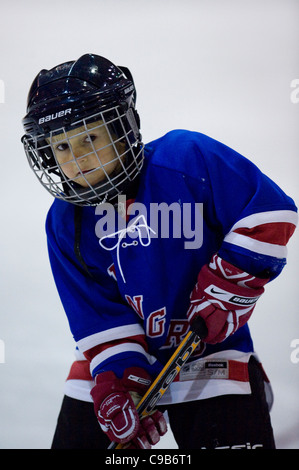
[[230, 421]]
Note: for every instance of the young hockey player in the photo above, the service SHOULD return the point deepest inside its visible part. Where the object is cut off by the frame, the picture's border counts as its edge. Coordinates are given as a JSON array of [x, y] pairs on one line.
[[142, 240]]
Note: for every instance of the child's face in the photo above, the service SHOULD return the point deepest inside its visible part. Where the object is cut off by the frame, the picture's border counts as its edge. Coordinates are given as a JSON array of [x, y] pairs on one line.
[[87, 156]]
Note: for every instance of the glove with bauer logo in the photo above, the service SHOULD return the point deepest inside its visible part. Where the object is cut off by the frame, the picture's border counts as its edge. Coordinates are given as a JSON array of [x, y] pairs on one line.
[[114, 404], [225, 297]]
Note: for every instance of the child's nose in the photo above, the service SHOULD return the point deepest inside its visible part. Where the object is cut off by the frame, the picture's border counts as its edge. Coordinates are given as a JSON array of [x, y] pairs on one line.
[[79, 152]]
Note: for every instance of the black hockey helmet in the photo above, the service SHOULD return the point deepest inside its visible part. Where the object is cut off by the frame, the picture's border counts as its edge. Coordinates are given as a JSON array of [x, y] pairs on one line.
[[85, 94]]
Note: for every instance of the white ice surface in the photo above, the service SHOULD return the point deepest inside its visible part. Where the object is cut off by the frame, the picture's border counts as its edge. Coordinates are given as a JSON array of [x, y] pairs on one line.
[[221, 67]]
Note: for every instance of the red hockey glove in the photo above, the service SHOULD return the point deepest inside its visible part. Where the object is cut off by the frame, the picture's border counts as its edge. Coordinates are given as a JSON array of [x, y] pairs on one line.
[[225, 297], [114, 405]]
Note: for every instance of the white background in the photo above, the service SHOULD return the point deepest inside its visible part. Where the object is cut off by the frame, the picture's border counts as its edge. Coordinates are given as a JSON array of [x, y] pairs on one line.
[[221, 67]]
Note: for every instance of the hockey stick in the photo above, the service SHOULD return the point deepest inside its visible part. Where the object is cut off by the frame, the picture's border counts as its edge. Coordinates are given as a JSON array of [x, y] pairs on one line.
[[170, 371]]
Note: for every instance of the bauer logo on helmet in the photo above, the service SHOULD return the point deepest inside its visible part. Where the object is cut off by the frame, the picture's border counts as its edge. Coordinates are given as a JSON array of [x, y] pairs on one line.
[[50, 117]]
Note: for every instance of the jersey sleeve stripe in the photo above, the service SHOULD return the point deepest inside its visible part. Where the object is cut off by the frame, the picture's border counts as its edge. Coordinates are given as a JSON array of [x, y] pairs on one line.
[[260, 218], [123, 348], [91, 353], [256, 246], [279, 231], [109, 335], [266, 233]]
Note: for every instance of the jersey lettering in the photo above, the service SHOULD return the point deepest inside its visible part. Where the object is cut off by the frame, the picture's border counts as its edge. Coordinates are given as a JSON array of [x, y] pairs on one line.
[[111, 271], [156, 323], [136, 304], [176, 332]]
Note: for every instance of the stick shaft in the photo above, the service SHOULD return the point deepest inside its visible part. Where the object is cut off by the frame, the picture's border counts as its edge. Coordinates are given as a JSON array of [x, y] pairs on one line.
[[168, 374], [166, 377]]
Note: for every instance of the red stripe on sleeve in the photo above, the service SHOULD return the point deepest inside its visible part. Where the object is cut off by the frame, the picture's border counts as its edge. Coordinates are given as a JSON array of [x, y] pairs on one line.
[[91, 353], [277, 233]]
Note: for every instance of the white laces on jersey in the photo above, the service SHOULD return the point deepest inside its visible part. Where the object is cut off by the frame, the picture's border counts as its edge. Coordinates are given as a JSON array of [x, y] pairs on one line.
[[136, 225]]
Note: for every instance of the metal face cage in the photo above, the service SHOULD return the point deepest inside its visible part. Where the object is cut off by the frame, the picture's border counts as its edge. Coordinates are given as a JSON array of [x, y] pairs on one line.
[[91, 161]]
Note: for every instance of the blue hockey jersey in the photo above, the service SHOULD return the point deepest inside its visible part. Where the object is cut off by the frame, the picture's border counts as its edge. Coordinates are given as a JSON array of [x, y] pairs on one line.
[[196, 197]]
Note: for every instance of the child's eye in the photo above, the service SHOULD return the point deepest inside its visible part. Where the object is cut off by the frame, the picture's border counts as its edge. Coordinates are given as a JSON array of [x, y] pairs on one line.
[[91, 138], [62, 147]]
